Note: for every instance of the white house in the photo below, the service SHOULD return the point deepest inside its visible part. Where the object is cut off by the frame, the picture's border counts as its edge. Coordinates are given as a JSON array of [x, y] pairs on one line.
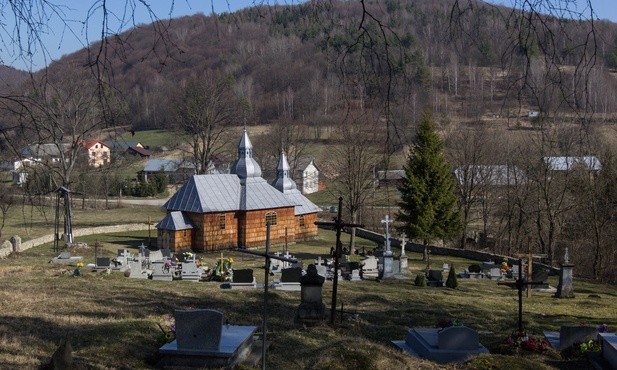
[[307, 174], [590, 163]]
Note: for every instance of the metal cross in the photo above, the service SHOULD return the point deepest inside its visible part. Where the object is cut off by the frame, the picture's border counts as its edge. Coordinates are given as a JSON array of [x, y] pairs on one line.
[[520, 284], [338, 226], [268, 257]]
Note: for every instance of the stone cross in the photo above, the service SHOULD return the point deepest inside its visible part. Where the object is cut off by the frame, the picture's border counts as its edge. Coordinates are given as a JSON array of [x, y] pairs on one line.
[[387, 222], [319, 261], [566, 256], [403, 245]]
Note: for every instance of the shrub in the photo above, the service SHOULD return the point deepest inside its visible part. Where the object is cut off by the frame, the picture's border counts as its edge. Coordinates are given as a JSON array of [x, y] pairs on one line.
[[452, 282]]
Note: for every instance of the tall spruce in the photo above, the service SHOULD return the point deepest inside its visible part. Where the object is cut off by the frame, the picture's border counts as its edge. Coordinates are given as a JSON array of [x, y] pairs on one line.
[[428, 207]]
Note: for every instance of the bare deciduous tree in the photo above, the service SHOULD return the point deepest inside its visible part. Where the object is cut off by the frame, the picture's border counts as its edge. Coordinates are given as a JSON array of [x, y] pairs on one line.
[[206, 110]]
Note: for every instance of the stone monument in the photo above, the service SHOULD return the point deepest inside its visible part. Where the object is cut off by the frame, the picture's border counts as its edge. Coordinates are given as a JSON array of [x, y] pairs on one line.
[[202, 340], [566, 277], [312, 309]]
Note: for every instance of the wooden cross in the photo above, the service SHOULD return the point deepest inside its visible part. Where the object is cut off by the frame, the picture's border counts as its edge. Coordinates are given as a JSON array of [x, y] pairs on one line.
[[268, 257], [338, 226], [530, 256], [519, 284]]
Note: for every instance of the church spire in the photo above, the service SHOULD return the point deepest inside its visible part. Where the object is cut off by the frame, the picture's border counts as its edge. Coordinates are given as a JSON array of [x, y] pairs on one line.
[[245, 166], [283, 181]]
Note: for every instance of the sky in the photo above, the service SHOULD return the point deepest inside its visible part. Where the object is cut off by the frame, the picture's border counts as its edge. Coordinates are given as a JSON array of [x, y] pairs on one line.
[[61, 38]]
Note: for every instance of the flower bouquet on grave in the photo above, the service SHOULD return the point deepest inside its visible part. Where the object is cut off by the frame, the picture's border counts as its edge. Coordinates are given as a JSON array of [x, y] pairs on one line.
[[504, 266], [521, 342], [224, 269], [168, 329], [581, 348], [77, 271], [167, 265]]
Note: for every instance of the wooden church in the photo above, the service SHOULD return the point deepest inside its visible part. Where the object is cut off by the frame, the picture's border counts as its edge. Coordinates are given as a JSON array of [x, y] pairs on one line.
[[219, 211]]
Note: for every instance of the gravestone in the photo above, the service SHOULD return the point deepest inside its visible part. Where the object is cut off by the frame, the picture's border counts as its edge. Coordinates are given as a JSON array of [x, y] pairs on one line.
[[312, 309], [494, 273], [540, 276], [243, 279], [122, 259], [156, 256], [276, 265], [446, 267], [355, 275], [190, 271], [290, 279], [434, 278], [609, 348], [202, 340], [566, 277], [16, 243], [569, 335], [65, 258], [102, 263], [136, 270], [387, 270], [451, 344], [166, 253], [162, 271], [321, 268], [369, 267]]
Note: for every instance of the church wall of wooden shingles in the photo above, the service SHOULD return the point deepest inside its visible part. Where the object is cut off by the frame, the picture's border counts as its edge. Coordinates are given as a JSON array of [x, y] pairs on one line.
[[306, 228], [176, 240], [255, 227], [212, 233]]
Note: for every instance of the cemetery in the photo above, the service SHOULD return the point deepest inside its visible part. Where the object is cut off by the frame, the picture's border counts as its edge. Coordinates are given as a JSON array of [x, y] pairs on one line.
[[129, 308]]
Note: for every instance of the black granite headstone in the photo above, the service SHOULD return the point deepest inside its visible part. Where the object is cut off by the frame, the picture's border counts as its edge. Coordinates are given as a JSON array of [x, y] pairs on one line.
[[291, 275], [243, 276], [103, 262]]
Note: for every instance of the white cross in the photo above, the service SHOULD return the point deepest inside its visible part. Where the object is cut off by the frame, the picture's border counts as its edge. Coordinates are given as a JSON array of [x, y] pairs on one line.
[[319, 261], [387, 222], [403, 245]]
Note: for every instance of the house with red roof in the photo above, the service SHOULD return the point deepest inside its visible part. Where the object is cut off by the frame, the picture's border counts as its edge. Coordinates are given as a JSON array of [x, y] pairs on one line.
[[98, 153]]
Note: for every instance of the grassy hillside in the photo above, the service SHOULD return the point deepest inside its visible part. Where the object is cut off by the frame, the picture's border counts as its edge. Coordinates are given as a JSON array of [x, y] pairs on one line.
[[112, 320]]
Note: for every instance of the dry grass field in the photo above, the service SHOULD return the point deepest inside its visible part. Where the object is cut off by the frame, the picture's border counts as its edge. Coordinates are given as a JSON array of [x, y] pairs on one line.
[[112, 321]]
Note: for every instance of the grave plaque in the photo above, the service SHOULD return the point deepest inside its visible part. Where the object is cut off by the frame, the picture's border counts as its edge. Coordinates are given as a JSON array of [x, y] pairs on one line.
[[243, 276], [451, 344], [103, 262], [199, 329], [242, 279], [291, 275], [203, 341]]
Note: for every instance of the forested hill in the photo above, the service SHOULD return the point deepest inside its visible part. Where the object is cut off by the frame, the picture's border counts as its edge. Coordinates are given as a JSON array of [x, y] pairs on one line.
[[300, 62]]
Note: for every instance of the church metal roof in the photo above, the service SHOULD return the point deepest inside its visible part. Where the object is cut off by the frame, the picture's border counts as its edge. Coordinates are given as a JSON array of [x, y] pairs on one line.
[[224, 192], [175, 221], [242, 190]]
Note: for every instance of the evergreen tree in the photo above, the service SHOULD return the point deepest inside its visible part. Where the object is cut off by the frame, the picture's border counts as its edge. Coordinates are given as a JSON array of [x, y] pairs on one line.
[[428, 195]]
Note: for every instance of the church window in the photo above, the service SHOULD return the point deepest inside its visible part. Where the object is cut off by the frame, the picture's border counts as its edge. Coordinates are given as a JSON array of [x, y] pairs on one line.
[[271, 218], [301, 220], [222, 222]]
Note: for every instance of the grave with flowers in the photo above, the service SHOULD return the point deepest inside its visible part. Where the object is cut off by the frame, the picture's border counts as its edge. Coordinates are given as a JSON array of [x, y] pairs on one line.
[[570, 336]]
